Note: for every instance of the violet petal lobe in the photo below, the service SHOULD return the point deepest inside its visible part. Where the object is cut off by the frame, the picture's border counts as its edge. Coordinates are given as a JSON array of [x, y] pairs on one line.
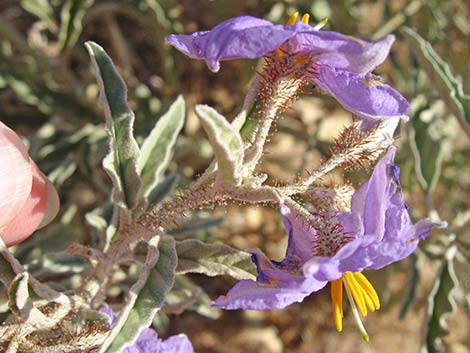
[[177, 344], [149, 342], [300, 236], [363, 95], [371, 201], [275, 288], [239, 37], [344, 52]]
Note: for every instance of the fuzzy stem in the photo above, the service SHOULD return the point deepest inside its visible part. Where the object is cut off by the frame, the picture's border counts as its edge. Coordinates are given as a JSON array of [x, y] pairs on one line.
[[255, 151], [359, 144], [151, 224]]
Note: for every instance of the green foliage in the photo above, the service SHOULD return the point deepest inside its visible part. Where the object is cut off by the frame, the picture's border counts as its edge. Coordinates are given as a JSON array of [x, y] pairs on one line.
[[195, 256], [6, 272], [450, 89], [146, 296], [186, 295], [227, 144], [123, 156], [441, 304], [162, 190], [42, 9], [22, 305], [431, 135], [157, 148], [71, 17]]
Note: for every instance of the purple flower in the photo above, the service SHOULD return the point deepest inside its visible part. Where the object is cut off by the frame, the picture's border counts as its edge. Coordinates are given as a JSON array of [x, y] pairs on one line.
[[148, 341], [337, 64], [375, 233]]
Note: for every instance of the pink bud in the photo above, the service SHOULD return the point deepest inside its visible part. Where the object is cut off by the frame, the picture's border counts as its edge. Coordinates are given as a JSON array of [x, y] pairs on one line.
[[27, 198]]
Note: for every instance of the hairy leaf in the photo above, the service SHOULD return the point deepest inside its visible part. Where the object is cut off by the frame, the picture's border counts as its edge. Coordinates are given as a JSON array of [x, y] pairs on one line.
[[186, 295], [42, 9], [71, 17], [462, 273], [157, 148], [146, 296], [56, 264], [449, 87], [227, 144], [431, 134], [162, 190], [10, 268], [194, 256], [197, 224], [441, 304], [157, 9], [22, 305], [412, 285], [9, 265], [121, 161], [6, 272]]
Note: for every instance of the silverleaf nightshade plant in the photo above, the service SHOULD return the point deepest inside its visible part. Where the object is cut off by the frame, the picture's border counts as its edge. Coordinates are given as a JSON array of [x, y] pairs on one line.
[[334, 246], [334, 232]]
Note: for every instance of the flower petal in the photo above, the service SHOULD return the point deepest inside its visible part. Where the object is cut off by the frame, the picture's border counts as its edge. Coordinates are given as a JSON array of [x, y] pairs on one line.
[[239, 37], [53, 202], [363, 95], [176, 344], [149, 342], [274, 289], [371, 201], [395, 246], [301, 236], [15, 175], [340, 51], [251, 295], [30, 216]]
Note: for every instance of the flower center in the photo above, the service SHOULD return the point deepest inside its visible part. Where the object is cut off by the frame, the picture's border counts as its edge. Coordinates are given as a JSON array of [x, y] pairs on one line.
[[361, 295], [292, 21], [330, 235]]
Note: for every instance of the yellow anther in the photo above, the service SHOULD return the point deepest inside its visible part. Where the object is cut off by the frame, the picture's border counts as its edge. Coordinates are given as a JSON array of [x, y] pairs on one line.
[[292, 19], [368, 288], [361, 295], [356, 291], [302, 59], [368, 300], [305, 18], [336, 290]]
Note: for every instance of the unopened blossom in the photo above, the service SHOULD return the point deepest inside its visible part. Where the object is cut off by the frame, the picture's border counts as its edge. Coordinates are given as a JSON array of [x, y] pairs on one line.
[[149, 342], [337, 64], [27, 198], [376, 232]]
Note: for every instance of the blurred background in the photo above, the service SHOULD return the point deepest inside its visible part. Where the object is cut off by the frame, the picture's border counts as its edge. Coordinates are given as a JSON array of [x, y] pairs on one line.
[[48, 94]]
